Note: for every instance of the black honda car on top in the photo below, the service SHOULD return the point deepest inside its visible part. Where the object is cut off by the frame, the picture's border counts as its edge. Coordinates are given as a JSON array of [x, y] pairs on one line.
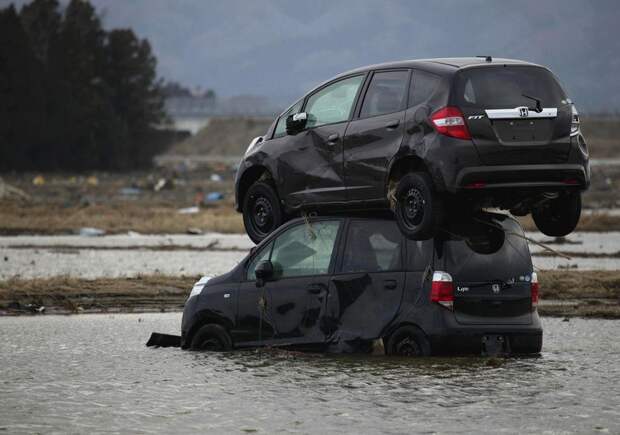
[[339, 284], [425, 138]]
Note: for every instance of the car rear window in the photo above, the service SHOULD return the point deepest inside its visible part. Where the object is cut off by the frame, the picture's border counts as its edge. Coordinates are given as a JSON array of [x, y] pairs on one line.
[[501, 87], [494, 249]]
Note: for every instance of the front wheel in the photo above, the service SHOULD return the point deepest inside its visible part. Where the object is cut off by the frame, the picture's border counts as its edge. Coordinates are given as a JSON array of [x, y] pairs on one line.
[[418, 209], [211, 337], [261, 211], [558, 217], [408, 341]]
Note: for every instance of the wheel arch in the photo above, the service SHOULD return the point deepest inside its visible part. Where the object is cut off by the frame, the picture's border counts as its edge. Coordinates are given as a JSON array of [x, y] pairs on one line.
[[249, 177], [203, 318], [399, 167]]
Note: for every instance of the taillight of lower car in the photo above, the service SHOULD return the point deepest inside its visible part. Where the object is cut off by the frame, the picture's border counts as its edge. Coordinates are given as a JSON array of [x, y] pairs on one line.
[[535, 290], [450, 121], [442, 289]]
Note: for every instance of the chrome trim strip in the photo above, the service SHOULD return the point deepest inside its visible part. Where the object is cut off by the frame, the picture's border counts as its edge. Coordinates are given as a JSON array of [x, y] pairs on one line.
[[517, 113]]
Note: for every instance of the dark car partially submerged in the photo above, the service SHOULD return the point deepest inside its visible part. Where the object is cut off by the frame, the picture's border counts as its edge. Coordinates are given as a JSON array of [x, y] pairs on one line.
[[423, 138], [341, 283]]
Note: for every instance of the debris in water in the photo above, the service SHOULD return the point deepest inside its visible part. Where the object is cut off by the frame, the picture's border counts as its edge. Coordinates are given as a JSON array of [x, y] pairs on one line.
[[164, 340], [194, 231], [91, 232]]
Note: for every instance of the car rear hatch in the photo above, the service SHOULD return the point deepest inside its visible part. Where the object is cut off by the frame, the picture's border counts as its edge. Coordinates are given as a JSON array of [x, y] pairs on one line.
[[516, 114], [491, 270]]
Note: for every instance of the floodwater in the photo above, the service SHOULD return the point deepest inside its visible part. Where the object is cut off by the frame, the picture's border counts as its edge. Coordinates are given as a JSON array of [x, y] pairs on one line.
[[92, 373]]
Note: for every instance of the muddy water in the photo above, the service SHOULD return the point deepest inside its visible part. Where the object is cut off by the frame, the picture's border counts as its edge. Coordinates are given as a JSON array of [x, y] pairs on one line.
[[92, 373]]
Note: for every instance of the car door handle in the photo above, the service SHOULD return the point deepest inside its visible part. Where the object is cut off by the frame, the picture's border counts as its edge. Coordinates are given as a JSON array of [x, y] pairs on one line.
[[315, 289], [393, 124], [390, 284], [332, 139]]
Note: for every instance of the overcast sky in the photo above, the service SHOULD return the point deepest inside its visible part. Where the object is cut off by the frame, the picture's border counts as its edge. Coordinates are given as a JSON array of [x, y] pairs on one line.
[[281, 48]]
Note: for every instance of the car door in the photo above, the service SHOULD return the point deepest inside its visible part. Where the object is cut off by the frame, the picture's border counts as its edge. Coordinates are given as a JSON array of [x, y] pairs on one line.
[[375, 136], [367, 288], [310, 164], [293, 303]]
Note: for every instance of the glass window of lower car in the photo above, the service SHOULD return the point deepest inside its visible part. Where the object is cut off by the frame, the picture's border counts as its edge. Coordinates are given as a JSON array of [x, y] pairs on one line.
[[302, 250], [333, 103], [372, 246], [386, 93], [280, 129]]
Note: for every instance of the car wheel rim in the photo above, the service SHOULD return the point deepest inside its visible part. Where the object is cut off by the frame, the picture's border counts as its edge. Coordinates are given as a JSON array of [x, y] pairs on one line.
[[408, 347], [414, 207], [262, 215]]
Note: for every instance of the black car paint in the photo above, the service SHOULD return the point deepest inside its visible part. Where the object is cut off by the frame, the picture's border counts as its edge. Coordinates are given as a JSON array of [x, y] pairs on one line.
[[354, 171], [342, 312]]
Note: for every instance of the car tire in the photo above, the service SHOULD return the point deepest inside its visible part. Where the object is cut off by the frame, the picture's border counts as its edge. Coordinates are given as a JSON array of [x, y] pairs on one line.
[[419, 210], [408, 341], [262, 213], [558, 217], [211, 337]]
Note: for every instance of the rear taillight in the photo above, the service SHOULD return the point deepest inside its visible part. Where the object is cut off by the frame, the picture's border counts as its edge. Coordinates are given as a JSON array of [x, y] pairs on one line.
[[450, 121], [442, 289], [574, 122], [535, 290]]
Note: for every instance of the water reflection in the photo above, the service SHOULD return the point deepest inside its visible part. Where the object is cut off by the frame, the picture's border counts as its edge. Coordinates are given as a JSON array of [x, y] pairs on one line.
[[93, 373]]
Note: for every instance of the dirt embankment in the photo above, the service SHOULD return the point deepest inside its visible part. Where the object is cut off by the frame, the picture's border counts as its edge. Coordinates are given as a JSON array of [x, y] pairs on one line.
[[584, 294]]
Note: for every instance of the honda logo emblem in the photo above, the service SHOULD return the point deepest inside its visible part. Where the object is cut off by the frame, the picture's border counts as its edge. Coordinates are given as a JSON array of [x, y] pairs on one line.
[[523, 112], [495, 288]]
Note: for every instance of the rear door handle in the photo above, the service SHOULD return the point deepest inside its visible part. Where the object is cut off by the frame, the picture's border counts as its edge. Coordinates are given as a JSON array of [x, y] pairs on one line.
[[332, 139], [390, 284], [392, 124]]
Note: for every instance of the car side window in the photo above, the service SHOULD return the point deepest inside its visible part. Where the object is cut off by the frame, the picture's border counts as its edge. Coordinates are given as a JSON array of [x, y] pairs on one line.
[[305, 249], [263, 255], [372, 246], [333, 103], [423, 86], [387, 93], [280, 129]]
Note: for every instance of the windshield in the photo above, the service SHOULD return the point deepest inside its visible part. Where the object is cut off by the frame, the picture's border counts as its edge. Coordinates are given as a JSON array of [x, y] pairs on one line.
[[501, 87]]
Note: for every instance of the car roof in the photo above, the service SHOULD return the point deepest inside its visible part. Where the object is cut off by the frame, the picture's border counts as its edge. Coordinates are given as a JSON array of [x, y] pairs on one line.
[[441, 65]]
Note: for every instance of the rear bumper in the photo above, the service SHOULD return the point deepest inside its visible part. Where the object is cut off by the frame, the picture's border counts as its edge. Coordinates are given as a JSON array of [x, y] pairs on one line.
[[448, 336], [548, 176], [472, 342]]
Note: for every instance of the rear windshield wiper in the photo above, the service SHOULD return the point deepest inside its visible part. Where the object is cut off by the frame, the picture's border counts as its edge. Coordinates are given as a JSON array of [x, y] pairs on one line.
[[538, 108]]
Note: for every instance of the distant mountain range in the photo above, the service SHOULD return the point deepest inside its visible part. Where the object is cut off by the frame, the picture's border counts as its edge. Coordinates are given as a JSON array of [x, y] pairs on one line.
[[281, 48]]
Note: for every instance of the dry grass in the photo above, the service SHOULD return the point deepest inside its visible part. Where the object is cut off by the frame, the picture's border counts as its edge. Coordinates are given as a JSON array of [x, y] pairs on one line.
[[74, 295], [592, 293], [580, 285], [115, 218]]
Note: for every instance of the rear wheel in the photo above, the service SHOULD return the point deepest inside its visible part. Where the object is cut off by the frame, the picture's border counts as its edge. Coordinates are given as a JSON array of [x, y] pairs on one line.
[[408, 341], [558, 217], [261, 211], [211, 337], [418, 209]]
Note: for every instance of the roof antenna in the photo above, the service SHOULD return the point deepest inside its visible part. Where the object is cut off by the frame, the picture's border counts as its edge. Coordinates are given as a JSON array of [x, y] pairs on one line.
[[487, 58]]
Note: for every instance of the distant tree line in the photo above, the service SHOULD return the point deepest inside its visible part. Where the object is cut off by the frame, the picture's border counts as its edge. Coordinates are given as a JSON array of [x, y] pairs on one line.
[[74, 96]]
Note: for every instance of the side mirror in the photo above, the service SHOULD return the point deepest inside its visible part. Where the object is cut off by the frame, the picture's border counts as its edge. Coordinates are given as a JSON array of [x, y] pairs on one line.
[[263, 272], [296, 122]]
